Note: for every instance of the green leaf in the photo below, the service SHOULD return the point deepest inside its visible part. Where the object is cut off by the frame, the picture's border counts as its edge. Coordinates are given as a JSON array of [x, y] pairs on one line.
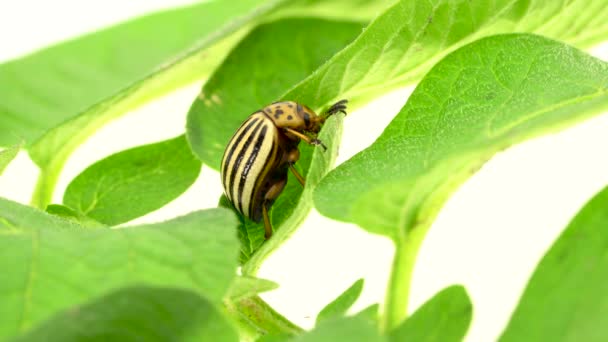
[[370, 313], [335, 10], [405, 41], [131, 183], [340, 305], [138, 314], [64, 93], [336, 328], [273, 338], [7, 155], [70, 214], [479, 100], [244, 287], [444, 318], [51, 264], [352, 329], [567, 296], [50, 86], [257, 72]]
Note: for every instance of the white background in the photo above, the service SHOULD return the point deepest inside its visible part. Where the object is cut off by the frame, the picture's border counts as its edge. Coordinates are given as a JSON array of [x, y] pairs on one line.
[[488, 237]]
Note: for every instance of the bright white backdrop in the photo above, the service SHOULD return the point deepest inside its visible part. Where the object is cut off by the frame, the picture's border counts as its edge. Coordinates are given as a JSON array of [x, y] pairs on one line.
[[488, 237]]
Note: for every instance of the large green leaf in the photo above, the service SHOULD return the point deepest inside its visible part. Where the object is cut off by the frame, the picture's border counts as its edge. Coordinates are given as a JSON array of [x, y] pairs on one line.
[[131, 183], [50, 264], [480, 99], [138, 314], [339, 306], [59, 96], [48, 87], [358, 10], [444, 318], [567, 297], [403, 43]]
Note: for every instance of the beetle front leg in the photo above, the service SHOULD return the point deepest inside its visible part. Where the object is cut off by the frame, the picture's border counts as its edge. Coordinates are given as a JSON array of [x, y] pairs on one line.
[[307, 139]]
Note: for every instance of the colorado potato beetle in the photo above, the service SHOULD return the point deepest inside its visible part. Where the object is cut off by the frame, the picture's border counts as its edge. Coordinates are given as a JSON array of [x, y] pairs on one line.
[[255, 162]]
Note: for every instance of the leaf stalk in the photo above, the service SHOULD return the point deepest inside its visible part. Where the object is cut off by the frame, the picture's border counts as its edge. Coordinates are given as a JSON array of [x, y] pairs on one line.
[[398, 291]]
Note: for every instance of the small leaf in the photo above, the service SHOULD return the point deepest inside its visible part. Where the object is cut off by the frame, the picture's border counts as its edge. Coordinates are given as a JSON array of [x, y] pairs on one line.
[[480, 99], [7, 155], [567, 296], [370, 313], [340, 305], [243, 287], [352, 329], [138, 314], [50, 264], [134, 182], [444, 318], [70, 214]]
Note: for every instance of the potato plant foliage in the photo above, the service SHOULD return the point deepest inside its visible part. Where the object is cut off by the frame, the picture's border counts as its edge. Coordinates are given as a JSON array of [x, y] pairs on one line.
[[488, 75]]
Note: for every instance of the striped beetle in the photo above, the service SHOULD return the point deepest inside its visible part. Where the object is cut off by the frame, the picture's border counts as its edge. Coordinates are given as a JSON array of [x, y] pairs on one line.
[[255, 162]]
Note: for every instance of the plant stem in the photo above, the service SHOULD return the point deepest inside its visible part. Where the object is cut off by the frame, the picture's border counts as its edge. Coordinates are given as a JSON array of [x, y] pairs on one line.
[[397, 294], [45, 186]]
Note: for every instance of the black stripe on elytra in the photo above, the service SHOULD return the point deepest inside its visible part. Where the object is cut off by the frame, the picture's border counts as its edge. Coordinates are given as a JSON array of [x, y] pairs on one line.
[[235, 142], [239, 158], [267, 164], [252, 158]]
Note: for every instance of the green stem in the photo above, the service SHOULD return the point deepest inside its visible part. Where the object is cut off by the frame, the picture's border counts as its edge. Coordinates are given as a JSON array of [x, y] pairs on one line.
[[255, 318], [397, 294], [45, 186]]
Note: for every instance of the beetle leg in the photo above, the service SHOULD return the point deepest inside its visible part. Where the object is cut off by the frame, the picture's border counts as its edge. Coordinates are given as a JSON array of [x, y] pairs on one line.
[[297, 174], [309, 140], [291, 158], [267, 226], [273, 192]]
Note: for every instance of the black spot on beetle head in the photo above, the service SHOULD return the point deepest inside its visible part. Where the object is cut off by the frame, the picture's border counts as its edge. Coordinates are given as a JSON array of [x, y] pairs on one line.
[[289, 117]]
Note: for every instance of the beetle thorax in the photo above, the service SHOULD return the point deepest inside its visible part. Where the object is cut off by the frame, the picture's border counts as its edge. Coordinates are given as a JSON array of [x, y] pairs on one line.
[[289, 114]]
